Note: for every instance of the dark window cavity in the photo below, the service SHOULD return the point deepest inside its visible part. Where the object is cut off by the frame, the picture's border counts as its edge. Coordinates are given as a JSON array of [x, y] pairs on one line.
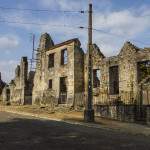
[[113, 80], [50, 84], [64, 57], [63, 90], [96, 78], [143, 70], [51, 60]]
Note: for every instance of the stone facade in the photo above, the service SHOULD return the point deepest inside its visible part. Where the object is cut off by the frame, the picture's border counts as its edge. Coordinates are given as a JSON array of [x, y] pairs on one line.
[[19, 90], [116, 79], [119, 75], [6, 95], [59, 76], [144, 91], [2, 85]]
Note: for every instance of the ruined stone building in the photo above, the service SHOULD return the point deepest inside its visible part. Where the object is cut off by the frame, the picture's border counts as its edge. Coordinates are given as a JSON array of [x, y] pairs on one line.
[[118, 78], [59, 76], [6, 95], [2, 84], [19, 90]]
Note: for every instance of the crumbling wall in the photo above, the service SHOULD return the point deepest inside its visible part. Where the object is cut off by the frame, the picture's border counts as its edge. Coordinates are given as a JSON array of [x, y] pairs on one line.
[[129, 58], [6, 95], [100, 93], [45, 73], [79, 97], [39, 80], [128, 73], [2, 85], [126, 62], [29, 88], [21, 86]]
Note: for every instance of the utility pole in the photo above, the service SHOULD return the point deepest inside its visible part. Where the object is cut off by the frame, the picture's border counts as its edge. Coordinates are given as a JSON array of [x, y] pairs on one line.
[[89, 111]]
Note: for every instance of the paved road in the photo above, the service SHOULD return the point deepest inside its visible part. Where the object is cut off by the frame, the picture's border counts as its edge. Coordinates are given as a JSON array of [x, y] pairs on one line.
[[27, 133]]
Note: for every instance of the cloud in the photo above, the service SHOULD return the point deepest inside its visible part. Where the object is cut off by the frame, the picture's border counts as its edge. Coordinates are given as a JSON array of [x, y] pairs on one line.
[[8, 42], [115, 27], [119, 26], [63, 4], [74, 4], [124, 23], [7, 68]]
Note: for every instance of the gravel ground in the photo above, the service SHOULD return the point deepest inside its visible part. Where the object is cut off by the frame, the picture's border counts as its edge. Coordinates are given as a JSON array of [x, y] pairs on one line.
[[18, 132]]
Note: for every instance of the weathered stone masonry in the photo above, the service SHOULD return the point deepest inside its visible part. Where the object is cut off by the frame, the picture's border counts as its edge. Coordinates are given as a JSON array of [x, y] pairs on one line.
[[2, 85], [59, 76], [115, 79], [121, 84], [119, 75], [123, 92], [19, 90]]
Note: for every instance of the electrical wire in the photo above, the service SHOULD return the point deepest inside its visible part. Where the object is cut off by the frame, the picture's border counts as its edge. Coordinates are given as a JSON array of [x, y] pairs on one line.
[[43, 10], [116, 35], [70, 26]]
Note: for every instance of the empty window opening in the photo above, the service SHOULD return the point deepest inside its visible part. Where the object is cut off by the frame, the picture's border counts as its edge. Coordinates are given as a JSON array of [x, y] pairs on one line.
[[50, 84], [113, 80], [63, 90], [96, 78], [51, 60], [64, 57], [143, 70], [8, 94]]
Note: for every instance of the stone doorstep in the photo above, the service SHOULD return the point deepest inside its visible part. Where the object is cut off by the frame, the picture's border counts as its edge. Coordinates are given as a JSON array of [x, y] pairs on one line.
[[99, 124]]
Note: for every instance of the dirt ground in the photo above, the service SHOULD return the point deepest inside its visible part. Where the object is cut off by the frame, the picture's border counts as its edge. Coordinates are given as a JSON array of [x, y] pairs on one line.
[[18, 132], [75, 117]]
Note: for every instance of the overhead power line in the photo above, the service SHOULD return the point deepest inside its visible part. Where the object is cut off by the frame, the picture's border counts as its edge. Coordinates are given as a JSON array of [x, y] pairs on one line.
[[57, 11], [116, 35], [42, 10], [38, 24], [73, 27]]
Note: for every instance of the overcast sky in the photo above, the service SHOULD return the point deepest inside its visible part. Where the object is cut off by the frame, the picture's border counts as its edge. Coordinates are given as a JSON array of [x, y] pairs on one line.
[[117, 21]]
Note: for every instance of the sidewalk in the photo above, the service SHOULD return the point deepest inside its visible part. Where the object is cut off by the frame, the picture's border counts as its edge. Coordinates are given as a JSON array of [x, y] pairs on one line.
[[74, 117]]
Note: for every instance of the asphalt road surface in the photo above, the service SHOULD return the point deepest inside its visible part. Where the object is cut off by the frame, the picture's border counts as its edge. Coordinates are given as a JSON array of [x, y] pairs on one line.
[[26, 133]]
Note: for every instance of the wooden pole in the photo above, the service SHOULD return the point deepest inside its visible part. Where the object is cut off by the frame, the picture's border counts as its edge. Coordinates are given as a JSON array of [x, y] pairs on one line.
[[89, 112]]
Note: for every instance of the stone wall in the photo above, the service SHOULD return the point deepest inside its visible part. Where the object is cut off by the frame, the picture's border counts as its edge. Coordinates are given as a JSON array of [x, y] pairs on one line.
[[21, 86], [148, 114], [2, 85], [79, 97], [126, 61], [6, 95], [75, 74], [44, 73], [100, 94], [127, 113]]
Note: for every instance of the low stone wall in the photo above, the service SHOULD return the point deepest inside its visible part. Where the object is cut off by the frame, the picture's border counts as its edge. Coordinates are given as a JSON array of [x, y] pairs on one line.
[[148, 115], [127, 113]]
